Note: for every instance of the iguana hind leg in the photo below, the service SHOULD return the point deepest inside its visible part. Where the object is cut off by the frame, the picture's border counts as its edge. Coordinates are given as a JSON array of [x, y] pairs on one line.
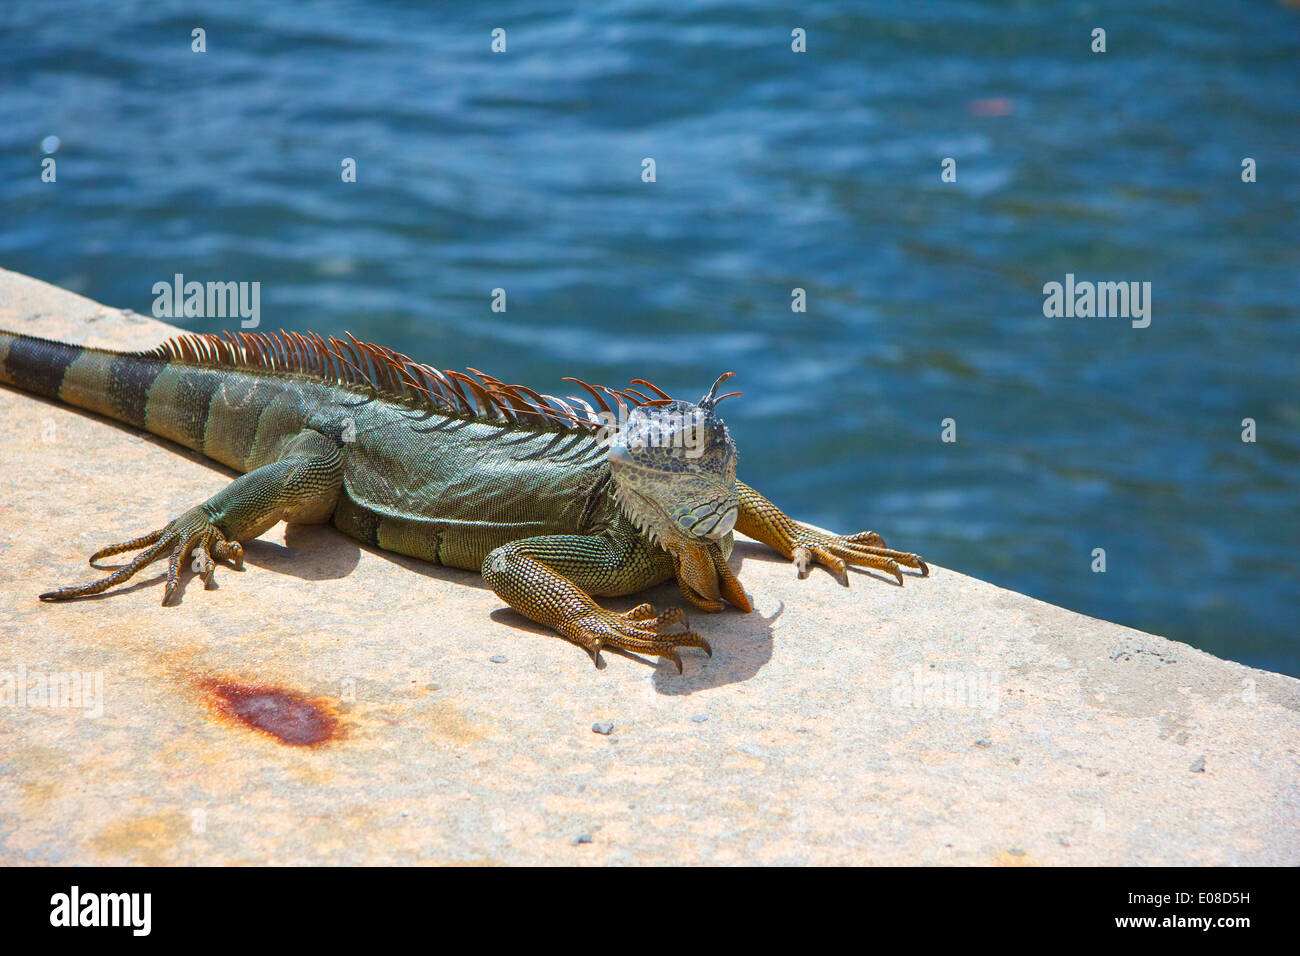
[[765, 522], [301, 486], [547, 579]]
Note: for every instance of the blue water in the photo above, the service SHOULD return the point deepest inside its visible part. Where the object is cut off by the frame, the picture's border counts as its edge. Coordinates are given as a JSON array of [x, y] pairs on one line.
[[775, 170]]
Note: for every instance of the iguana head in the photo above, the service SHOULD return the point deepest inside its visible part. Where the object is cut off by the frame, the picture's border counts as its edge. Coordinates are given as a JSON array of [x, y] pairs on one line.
[[674, 470]]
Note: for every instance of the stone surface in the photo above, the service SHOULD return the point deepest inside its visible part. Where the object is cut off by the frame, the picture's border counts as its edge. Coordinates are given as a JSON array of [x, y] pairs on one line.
[[947, 721]]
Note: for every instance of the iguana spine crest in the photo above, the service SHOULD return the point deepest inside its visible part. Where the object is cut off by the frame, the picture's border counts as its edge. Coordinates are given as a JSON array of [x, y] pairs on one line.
[[397, 377]]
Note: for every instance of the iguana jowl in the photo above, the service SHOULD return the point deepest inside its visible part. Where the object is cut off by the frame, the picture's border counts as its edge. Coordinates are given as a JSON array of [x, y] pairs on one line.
[[552, 502]]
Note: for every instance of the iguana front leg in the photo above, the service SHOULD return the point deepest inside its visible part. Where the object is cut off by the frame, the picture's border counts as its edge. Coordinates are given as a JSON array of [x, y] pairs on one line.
[[548, 578], [765, 522], [301, 486]]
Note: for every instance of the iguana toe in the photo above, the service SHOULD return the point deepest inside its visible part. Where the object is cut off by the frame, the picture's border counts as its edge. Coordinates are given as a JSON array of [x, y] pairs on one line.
[[639, 631], [836, 552], [193, 533]]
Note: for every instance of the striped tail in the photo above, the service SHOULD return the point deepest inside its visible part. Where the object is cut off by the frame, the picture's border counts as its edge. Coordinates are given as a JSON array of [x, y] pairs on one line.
[[115, 384], [216, 411], [213, 411]]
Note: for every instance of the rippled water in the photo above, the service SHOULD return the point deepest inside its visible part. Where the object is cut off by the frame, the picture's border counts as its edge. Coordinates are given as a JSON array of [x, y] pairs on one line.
[[775, 170]]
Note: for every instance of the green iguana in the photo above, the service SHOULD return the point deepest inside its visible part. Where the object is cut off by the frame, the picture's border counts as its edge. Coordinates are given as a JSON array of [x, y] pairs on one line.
[[555, 500]]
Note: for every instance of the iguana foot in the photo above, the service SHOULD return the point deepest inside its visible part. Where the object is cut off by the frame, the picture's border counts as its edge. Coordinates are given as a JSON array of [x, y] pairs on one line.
[[524, 574], [193, 532], [836, 552], [765, 522], [705, 577], [639, 630]]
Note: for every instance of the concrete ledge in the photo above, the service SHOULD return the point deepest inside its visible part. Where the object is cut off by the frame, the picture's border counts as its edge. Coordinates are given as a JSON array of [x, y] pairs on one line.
[[948, 721]]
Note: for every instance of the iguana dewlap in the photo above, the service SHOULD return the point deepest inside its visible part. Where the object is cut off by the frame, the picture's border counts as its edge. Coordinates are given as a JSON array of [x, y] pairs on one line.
[[554, 500]]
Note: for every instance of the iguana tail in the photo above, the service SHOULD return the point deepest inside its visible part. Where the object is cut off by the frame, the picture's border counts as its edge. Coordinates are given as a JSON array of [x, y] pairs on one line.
[[208, 410], [115, 384]]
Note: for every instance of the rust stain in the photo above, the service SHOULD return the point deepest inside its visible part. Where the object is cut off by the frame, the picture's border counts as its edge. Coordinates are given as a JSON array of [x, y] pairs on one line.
[[1007, 858], [286, 716], [37, 794], [145, 840], [445, 721]]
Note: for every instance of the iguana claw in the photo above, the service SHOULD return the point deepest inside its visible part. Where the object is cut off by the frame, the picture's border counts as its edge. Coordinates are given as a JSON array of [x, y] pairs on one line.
[[193, 532], [804, 545], [836, 552], [639, 630]]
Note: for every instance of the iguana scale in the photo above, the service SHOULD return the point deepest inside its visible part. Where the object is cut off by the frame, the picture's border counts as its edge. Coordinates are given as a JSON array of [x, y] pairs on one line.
[[555, 500]]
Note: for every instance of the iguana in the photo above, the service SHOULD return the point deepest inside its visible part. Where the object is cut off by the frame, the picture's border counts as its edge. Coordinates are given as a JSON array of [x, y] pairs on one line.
[[555, 500]]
